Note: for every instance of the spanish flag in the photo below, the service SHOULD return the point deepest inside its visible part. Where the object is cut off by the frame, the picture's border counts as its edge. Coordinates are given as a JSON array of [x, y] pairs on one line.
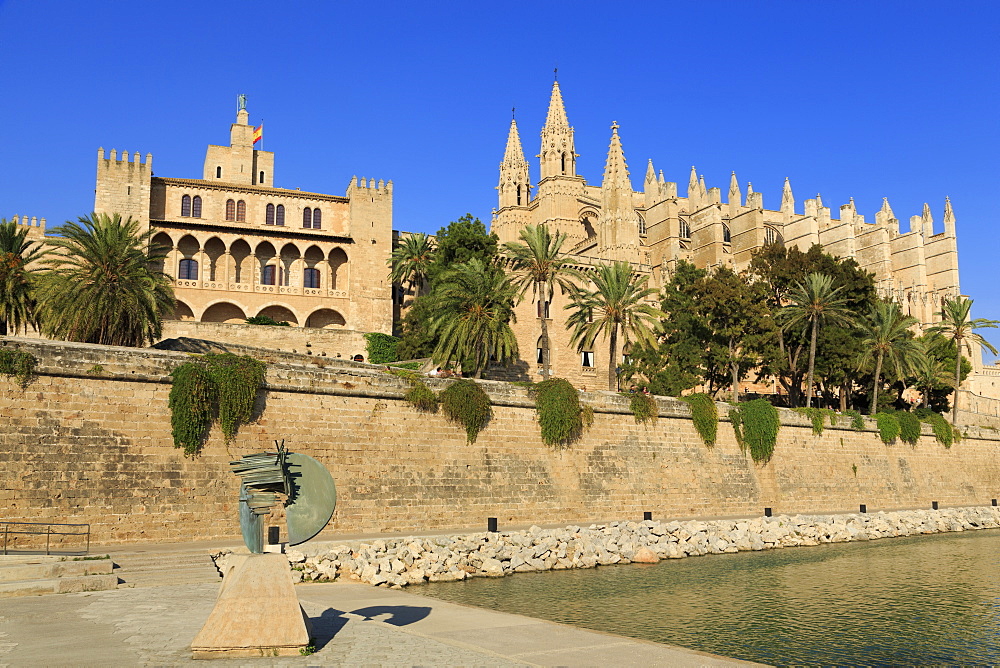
[[258, 133]]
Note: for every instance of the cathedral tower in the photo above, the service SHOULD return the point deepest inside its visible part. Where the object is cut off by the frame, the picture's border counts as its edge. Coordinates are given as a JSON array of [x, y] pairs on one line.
[[515, 183], [618, 229]]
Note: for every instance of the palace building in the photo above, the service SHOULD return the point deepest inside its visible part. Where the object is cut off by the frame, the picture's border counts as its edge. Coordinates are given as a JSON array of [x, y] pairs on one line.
[[656, 227]]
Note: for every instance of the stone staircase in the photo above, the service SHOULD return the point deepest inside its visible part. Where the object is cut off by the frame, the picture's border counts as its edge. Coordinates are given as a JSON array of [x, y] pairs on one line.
[[157, 569], [32, 575]]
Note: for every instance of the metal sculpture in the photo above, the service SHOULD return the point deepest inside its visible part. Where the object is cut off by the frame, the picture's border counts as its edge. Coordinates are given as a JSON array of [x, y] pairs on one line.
[[309, 490]]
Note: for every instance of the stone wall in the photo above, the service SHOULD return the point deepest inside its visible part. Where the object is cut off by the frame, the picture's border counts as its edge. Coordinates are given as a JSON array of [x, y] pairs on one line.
[[88, 440], [333, 343]]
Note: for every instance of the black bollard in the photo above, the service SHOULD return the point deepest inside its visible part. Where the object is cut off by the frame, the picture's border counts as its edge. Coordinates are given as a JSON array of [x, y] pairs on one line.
[[864, 508], [934, 505], [491, 524], [994, 502], [647, 516], [273, 535], [767, 512]]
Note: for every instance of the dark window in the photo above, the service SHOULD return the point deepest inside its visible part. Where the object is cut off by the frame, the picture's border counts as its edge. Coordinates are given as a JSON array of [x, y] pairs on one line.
[[540, 355], [241, 212], [261, 181], [188, 270], [267, 276], [218, 172], [542, 308], [196, 207], [726, 236], [280, 217], [230, 210], [186, 206], [519, 195], [587, 359], [307, 217], [317, 219], [311, 278], [269, 215]]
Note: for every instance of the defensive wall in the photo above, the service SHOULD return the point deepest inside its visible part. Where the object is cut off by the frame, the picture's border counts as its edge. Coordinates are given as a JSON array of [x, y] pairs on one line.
[[88, 440]]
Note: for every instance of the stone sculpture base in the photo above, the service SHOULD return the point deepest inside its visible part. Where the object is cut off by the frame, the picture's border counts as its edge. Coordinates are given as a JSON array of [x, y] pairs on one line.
[[257, 612]]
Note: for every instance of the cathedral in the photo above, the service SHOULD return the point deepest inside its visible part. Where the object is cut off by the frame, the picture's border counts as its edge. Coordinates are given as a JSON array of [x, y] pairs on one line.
[[655, 228]]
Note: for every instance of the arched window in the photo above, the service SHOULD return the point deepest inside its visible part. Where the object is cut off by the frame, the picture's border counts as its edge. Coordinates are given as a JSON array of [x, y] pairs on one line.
[[771, 236], [188, 270], [307, 217], [218, 172], [186, 206], [310, 278], [563, 162], [519, 195], [541, 350], [317, 219], [241, 212], [267, 275], [280, 216], [727, 238], [196, 207], [542, 309], [642, 227], [230, 209], [261, 180], [685, 229], [269, 215]]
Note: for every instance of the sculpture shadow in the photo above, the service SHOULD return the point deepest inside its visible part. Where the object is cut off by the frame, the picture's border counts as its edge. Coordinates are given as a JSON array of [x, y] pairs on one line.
[[399, 615], [326, 626]]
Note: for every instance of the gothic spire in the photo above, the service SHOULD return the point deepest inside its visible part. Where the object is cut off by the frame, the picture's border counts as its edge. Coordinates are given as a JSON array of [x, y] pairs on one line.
[[949, 218], [615, 169], [557, 111], [927, 222], [515, 182], [514, 154], [618, 224], [558, 154], [650, 172], [735, 196], [787, 199]]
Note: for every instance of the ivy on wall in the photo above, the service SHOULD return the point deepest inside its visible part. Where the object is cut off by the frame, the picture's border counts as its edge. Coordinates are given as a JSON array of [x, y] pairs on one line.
[[705, 416], [561, 417], [222, 386], [644, 408], [465, 402], [422, 397], [756, 425], [381, 347], [888, 427], [19, 365], [909, 427]]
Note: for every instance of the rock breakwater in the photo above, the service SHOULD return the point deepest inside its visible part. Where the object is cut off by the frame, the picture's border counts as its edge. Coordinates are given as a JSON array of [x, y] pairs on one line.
[[398, 562]]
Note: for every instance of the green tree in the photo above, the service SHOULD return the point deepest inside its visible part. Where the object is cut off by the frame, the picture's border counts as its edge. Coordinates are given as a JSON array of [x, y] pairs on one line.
[[932, 368], [814, 302], [459, 242], [617, 303], [100, 285], [411, 261], [416, 339], [886, 338], [475, 306], [957, 326], [17, 303], [540, 264]]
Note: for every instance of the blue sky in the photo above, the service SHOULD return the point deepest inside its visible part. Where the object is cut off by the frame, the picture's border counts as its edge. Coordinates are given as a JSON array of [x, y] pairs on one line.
[[863, 99]]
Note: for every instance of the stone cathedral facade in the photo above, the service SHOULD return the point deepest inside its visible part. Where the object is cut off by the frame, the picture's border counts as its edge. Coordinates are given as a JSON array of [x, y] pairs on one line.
[[656, 227]]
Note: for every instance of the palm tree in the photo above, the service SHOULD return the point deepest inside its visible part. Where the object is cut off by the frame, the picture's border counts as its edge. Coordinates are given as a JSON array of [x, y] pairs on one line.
[[540, 263], [929, 370], [815, 302], [956, 325], [886, 339], [475, 302], [101, 285], [410, 261], [617, 302], [17, 303]]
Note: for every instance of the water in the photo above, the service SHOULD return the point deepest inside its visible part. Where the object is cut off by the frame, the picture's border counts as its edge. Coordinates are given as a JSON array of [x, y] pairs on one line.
[[924, 600]]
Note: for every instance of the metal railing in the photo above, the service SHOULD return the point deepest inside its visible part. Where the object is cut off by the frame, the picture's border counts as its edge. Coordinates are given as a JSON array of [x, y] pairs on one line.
[[9, 529]]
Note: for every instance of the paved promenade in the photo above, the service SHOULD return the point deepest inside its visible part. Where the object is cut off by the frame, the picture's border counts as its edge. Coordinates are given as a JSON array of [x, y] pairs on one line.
[[354, 625]]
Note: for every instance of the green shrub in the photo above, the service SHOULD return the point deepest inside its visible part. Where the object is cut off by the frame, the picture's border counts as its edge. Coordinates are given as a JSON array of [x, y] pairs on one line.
[[215, 385], [381, 347], [759, 422], [411, 366], [888, 427], [857, 422], [736, 420], [816, 417], [422, 397], [941, 427], [267, 320], [956, 434], [643, 407], [909, 427], [465, 402], [19, 364], [705, 416], [586, 416], [559, 413]]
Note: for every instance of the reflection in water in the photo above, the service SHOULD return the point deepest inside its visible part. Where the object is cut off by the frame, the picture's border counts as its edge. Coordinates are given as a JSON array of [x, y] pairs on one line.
[[925, 600]]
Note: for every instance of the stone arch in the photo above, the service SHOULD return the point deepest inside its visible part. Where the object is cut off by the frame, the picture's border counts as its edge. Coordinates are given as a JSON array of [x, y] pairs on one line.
[[266, 255], [588, 219], [339, 270], [188, 249], [326, 318], [313, 260], [183, 312], [215, 250], [279, 313], [161, 244], [223, 311], [240, 252], [289, 256]]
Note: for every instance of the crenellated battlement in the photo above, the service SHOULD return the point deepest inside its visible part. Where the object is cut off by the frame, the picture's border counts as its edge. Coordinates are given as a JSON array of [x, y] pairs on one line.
[[37, 223], [114, 160], [123, 184], [360, 183]]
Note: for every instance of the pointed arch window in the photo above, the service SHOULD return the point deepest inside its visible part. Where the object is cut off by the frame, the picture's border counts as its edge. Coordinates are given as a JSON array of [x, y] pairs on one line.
[[685, 231], [642, 226], [241, 212], [186, 206], [307, 218], [196, 207], [317, 219], [771, 236], [279, 217], [542, 309], [541, 350], [230, 209], [727, 237], [269, 215], [218, 172]]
